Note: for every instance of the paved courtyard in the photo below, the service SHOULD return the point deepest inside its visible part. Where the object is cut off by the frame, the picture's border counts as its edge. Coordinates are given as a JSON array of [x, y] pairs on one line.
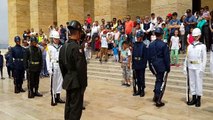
[[104, 100]]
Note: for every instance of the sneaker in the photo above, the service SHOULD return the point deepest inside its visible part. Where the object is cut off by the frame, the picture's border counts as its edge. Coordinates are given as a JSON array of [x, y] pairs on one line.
[[128, 85]]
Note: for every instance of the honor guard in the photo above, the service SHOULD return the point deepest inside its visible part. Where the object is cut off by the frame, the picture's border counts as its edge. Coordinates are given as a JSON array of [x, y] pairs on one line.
[[34, 66], [139, 61], [18, 53], [53, 68], [159, 63], [73, 67], [196, 61]]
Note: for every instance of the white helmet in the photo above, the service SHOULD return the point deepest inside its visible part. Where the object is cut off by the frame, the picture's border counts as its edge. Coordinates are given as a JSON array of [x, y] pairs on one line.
[[196, 32], [55, 34]]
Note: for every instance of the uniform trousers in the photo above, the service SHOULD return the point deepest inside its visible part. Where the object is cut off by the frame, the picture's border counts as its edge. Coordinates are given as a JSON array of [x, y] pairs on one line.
[[18, 77], [33, 81], [196, 82], [140, 79], [74, 104], [158, 83]]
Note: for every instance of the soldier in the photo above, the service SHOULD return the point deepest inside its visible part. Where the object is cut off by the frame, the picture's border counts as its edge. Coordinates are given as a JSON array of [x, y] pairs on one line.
[[196, 61], [139, 61], [159, 63], [34, 65], [54, 69], [18, 53], [73, 67]]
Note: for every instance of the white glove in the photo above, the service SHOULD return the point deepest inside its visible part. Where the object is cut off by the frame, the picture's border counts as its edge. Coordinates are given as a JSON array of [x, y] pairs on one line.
[[50, 72], [184, 71]]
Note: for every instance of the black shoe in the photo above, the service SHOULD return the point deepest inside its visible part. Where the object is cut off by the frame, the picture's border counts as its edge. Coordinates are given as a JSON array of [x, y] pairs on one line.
[[58, 99], [142, 93], [38, 94], [128, 85], [2, 78], [21, 89], [124, 84], [137, 93], [159, 104], [16, 89], [83, 108], [193, 101], [198, 101], [30, 94], [53, 103]]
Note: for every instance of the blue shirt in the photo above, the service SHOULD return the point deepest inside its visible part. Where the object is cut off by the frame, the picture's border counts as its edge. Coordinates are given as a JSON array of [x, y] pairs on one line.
[[115, 50], [174, 22], [189, 19]]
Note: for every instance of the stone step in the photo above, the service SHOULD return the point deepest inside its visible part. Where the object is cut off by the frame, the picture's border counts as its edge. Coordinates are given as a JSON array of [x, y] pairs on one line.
[[175, 88], [118, 65], [119, 70], [208, 84]]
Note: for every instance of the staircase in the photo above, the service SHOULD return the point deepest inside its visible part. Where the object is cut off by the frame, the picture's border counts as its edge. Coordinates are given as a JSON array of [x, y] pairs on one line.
[[176, 80]]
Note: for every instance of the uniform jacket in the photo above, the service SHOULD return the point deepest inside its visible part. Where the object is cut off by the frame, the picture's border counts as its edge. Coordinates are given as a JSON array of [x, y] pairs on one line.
[[34, 55], [1, 60], [73, 66], [18, 53], [139, 56], [158, 56]]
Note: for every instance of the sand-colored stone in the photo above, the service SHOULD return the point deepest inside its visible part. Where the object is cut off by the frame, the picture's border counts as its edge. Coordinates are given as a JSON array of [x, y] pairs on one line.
[[62, 11], [19, 18], [89, 8], [207, 3]]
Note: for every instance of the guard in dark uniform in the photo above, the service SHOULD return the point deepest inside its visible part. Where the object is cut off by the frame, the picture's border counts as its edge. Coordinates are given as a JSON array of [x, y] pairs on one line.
[[18, 53], [34, 66], [73, 66], [139, 61], [159, 63]]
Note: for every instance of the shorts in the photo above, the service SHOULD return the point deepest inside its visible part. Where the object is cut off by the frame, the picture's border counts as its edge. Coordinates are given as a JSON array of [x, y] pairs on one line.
[[110, 46], [97, 50], [126, 72]]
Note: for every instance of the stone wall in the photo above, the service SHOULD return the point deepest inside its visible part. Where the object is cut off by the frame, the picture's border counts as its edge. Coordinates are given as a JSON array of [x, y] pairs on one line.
[[207, 3], [89, 8]]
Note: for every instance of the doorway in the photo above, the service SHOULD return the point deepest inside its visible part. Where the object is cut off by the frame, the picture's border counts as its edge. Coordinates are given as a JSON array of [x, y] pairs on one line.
[[196, 5]]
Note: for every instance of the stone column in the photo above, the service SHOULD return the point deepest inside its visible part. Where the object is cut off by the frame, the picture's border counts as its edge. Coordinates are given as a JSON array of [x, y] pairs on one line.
[[89, 8], [70, 10], [42, 14], [163, 7], [109, 9], [18, 17], [207, 3]]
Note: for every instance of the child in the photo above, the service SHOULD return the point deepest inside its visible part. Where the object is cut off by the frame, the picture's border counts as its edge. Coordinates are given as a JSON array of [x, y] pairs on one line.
[[121, 39], [97, 46], [125, 63], [190, 38], [104, 46], [175, 45], [87, 48], [115, 52], [166, 33]]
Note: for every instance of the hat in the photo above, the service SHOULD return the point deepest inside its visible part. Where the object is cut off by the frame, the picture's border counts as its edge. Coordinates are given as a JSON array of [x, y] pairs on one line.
[[139, 34], [17, 39], [196, 32], [33, 39], [169, 15], [74, 25], [159, 30]]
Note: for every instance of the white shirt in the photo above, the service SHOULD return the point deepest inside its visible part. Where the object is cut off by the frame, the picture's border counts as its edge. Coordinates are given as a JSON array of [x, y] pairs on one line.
[[104, 43], [95, 29], [154, 23], [117, 34], [197, 53], [175, 43], [211, 60], [182, 29]]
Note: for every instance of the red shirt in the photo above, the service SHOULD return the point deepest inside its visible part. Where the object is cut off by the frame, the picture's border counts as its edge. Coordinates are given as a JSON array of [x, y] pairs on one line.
[[191, 39], [128, 27], [89, 20], [97, 44]]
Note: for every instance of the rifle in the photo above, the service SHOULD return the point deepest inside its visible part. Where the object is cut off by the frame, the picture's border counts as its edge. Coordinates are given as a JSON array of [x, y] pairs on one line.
[[187, 84], [134, 82], [163, 87]]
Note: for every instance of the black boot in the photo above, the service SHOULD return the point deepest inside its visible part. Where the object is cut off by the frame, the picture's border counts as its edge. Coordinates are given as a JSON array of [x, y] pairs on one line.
[[58, 99], [37, 93], [193, 100], [198, 101], [155, 98], [53, 103], [21, 89], [159, 103], [137, 93], [142, 93], [16, 90], [30, 94]]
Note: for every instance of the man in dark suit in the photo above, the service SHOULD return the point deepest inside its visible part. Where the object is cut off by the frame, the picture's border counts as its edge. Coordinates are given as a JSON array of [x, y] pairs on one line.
[[1, 65], [73, 67]]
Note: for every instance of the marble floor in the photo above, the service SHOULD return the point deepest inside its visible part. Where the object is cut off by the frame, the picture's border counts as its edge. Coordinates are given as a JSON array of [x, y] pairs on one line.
[[104, 100]]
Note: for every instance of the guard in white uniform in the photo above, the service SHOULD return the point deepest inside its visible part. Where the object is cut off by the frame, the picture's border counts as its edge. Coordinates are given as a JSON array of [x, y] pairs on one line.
[[54, 69], [196, 60]]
